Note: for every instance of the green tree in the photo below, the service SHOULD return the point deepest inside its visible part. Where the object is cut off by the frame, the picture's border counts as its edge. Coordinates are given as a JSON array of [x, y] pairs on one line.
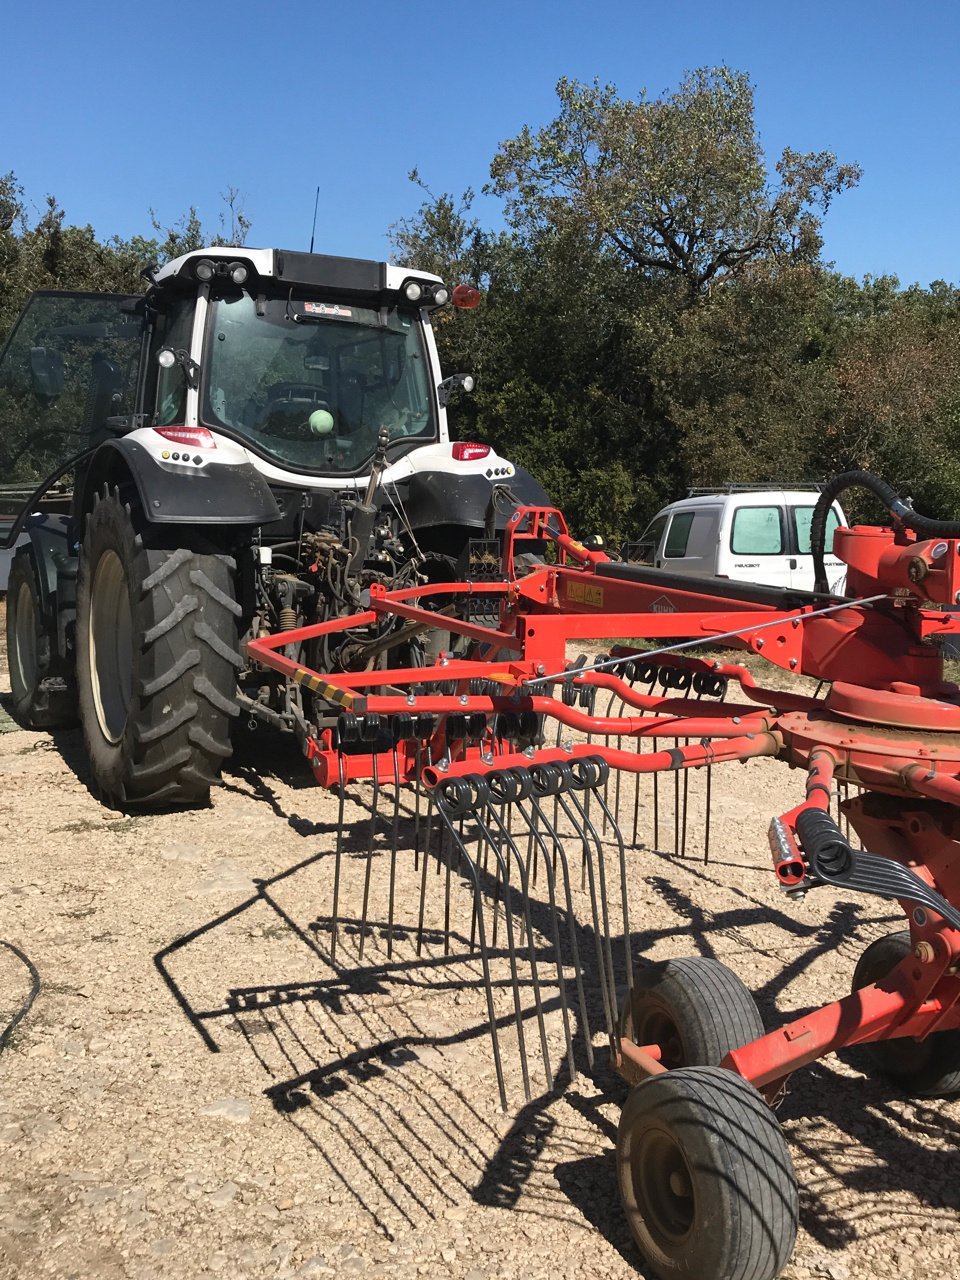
[[676, 185]]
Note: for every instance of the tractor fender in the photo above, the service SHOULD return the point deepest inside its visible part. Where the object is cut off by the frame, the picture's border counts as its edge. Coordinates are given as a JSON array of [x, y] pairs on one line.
[[442, 498], [214, 493]]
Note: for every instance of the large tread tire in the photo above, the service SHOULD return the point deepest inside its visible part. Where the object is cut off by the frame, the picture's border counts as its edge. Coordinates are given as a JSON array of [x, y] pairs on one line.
[[43, 693], [157, 662], [927, 1068], [695, 1009], [705, 1177]]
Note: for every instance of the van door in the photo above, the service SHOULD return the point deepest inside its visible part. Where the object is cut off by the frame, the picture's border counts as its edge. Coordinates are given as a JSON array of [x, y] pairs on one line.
[[803, 574], [691, 542], [757, 546]]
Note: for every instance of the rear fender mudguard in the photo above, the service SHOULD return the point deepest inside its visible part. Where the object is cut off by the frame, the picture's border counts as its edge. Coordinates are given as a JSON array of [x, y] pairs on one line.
[[214, 494]]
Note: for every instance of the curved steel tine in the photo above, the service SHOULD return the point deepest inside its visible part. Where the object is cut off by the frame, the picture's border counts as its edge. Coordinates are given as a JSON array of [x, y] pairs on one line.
[[508, 891], [337, 862], [574, 945], [374, 803], [485, 968], [531, 946], [624, 896], [394, 841], [428, 834], [601, 930]]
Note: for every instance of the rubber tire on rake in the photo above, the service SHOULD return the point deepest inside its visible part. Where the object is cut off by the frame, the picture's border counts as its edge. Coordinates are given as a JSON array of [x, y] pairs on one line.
[[705, 1177], [44, 696], [157, 662], [696, 1010], [927, 1068]]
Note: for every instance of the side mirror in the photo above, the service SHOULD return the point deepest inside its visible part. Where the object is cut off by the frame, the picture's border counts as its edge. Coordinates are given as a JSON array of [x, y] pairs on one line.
[[449, 387], [46, 373]]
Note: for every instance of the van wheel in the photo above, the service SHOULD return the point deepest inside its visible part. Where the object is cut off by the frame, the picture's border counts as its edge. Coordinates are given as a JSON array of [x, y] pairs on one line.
[[43, 695], [157, 662]]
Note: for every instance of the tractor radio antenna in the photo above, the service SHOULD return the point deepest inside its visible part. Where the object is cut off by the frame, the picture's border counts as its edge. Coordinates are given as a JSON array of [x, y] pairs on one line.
[[313, 229]]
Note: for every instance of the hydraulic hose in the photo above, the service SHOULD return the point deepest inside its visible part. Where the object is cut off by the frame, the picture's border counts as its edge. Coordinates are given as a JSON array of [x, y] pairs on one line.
[[903, 514]]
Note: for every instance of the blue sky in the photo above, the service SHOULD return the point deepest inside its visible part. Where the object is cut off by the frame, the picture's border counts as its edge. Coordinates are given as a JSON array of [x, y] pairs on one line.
[[119, 107]]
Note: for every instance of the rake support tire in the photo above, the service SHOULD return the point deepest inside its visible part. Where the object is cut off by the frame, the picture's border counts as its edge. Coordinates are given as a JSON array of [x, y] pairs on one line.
[[927, 1068], [705, 1177], [695, 1009], [157, 662], [42, 692]]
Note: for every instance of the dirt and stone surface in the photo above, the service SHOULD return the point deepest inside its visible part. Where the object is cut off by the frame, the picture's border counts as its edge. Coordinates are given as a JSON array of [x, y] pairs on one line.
[[265, 1111]]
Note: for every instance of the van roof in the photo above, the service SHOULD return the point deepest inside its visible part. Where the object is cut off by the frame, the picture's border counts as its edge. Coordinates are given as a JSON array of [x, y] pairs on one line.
[[751, 498]]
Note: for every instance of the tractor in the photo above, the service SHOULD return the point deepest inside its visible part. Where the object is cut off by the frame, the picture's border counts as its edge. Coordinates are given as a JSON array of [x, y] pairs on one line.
[[251, 446]]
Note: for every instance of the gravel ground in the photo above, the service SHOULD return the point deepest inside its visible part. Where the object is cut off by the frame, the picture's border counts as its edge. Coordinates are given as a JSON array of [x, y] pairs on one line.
[[294, 1117]]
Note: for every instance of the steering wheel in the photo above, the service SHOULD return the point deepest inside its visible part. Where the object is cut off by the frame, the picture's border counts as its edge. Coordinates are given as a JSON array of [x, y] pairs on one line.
[[288, 409]]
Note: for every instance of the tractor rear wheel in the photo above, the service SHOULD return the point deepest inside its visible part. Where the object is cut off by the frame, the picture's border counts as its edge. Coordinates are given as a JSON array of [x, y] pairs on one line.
[[705, 1177], [157, 662], [43, 696], [927, 1068]]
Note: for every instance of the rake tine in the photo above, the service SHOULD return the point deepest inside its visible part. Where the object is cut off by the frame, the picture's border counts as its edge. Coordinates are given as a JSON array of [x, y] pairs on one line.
[[531, 947], [485, 967], [706, 817], [601, 931], [624, 897], [338, 857], [417, 787], [394, 840], [508, 891], [574, 945], [428, 833], [374, 803]]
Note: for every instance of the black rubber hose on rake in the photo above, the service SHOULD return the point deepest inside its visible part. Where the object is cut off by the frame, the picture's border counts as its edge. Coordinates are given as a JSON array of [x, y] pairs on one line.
[[34, 992], [901, 511]]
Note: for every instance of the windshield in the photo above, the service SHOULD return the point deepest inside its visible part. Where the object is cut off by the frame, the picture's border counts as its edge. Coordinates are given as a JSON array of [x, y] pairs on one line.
[[311, 383]]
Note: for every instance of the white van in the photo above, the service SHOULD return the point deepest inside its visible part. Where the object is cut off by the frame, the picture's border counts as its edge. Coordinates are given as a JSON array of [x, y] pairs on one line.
[[745, 534]]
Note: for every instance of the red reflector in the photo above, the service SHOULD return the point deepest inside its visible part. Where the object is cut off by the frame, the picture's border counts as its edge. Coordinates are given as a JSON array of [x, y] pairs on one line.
[[464, 452], [466, 297], [192, 437]]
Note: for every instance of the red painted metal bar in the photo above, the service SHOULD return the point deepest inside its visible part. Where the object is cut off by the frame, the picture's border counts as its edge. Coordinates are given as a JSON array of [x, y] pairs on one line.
[[688, 757]]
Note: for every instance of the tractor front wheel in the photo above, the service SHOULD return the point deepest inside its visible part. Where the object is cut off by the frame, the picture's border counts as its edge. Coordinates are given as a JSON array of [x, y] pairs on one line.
[[157, 661], [705, 1177]]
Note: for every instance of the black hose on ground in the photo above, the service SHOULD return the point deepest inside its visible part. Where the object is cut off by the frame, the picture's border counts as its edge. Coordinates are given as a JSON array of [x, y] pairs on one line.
[[34, 992], [903, 515]]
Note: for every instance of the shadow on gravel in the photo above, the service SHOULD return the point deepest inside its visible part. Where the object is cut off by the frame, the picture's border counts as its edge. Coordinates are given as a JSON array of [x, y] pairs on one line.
[[381, 1057], [870, 1115]]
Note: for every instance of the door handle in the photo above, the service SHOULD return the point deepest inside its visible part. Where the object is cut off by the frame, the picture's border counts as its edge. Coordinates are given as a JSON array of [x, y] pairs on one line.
[[793, 563]]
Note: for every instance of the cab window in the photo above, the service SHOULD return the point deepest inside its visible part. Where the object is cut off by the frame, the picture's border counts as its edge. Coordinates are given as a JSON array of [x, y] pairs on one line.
[[757, 531]]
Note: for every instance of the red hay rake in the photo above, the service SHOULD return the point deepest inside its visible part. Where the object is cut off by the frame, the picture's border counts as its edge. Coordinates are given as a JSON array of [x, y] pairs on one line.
[[516, 772]]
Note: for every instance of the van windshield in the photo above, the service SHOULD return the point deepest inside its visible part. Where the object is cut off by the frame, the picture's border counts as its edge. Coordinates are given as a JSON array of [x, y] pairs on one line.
[[311, 383]]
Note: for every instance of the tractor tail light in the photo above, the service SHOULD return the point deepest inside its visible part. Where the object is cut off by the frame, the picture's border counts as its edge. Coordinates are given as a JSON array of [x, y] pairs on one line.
[[464, 452], [192, 437]]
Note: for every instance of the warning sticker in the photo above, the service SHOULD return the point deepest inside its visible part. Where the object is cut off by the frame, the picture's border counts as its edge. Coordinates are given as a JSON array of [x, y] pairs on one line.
[[332, 309], [585, 593]]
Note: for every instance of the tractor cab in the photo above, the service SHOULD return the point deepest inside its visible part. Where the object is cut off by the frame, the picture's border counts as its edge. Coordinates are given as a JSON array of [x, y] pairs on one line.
[[302, 359]]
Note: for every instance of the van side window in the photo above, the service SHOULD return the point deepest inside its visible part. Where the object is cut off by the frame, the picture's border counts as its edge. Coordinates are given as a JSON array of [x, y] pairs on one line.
[[679, 535], [757, 531], [802, 516]]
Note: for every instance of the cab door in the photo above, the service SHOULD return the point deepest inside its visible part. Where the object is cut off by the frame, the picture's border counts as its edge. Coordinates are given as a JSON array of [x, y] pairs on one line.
[[69, 366]]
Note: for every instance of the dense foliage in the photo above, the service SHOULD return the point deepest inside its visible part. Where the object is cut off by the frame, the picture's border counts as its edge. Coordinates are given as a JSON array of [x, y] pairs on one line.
[[657, 313]]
